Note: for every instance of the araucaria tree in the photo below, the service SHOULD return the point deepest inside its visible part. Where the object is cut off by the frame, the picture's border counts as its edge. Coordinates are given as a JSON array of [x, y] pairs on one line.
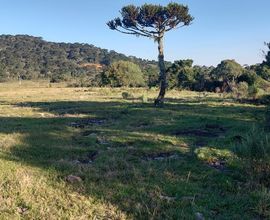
[[153, 21]]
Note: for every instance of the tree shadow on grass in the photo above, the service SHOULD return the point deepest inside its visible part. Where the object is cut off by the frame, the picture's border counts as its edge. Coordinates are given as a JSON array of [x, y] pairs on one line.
[[125, 171]]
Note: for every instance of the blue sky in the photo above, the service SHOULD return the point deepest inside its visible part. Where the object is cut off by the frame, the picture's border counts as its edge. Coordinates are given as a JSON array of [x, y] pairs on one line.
[[222, 29]]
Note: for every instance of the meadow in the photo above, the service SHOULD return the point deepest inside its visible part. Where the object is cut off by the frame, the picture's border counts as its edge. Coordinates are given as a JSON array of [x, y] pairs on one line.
[[89, 153]]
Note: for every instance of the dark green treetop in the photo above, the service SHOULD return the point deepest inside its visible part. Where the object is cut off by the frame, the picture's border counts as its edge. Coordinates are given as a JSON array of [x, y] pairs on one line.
[[151, 20]]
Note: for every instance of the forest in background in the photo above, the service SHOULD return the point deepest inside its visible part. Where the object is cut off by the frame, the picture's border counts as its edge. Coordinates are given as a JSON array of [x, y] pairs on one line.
[[29, 58]]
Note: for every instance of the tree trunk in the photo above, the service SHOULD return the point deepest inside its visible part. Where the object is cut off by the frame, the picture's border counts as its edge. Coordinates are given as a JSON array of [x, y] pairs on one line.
[[162, 75]]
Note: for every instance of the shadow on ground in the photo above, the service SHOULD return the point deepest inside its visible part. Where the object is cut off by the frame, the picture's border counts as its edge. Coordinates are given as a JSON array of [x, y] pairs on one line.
[[143, 160]]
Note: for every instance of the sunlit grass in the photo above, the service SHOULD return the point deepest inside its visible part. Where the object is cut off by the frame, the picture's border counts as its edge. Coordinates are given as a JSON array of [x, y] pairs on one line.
[[145, 165]]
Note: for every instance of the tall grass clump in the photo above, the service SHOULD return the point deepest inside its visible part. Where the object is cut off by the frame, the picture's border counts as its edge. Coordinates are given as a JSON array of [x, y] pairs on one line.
[[254, 152], [267, 118], [262, 203]]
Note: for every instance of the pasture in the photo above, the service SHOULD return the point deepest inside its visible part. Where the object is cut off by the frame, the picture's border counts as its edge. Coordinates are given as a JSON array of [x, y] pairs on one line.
[[89, 153]]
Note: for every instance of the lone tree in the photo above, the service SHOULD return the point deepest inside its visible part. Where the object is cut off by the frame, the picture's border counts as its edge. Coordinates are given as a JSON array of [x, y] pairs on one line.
[[153, 21]]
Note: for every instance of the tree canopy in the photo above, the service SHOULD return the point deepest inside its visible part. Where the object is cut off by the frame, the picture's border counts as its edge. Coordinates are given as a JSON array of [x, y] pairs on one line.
[[227, 70], [33, 58], [151, 20]]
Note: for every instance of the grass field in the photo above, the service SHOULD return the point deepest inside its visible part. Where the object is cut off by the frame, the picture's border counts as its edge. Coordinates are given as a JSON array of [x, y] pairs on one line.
[[134, 161]]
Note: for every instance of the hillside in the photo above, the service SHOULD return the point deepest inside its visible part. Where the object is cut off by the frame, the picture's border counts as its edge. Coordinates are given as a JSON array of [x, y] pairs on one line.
[[31, 57]]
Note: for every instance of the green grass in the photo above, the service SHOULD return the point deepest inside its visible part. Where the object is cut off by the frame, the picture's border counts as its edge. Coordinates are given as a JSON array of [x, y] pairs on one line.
[[39, 148]]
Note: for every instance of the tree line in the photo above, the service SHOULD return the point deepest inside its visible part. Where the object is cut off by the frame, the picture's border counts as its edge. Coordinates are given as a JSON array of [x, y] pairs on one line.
[[28, 57]]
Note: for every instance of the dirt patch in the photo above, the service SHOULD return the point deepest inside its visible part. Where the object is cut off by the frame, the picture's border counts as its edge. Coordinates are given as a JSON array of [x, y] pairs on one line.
[[161, 156], [87, 122]]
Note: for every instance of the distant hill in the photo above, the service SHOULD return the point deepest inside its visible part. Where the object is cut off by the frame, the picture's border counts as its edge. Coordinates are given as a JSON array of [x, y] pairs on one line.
[[31, 57]]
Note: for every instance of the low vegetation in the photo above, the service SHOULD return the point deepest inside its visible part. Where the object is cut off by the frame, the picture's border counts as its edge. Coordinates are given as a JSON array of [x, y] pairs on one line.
[[85, 153]]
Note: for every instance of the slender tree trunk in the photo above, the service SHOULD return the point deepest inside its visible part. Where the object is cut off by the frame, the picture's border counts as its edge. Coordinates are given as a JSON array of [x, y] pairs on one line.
[[162, 75]]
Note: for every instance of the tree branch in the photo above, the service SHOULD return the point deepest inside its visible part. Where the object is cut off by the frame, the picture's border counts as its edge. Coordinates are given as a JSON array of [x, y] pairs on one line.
[[133, 32]]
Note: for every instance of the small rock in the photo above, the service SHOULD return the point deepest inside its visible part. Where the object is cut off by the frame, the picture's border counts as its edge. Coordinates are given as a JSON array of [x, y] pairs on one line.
[[73, 179]]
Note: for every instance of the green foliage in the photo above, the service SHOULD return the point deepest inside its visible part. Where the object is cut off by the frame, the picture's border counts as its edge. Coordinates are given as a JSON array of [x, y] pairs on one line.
[[60, 77], [265, 99], [249, 76], [181, 74], [255, 153], [202, 78], [256, 145], [124, 73], [152, 75], [264, 72], [253, 91], [262, 207], [240, 90], [150, 20], [4, 74], [227, 70], [33, 58], [211, 154]]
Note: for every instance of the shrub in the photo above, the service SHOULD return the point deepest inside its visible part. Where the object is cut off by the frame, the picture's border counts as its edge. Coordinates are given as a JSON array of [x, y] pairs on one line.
[[240, 90], [60, 77], [124, 73], [126, 95], [253, 91], [265, 99], [254, 151]]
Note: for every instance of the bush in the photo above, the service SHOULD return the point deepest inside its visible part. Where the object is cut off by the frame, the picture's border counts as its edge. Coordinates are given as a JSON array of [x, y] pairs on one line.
[[254, 151], [240, 90], [253, 91], [127, 95], [124, 73], [265, 99], [60, 77]]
